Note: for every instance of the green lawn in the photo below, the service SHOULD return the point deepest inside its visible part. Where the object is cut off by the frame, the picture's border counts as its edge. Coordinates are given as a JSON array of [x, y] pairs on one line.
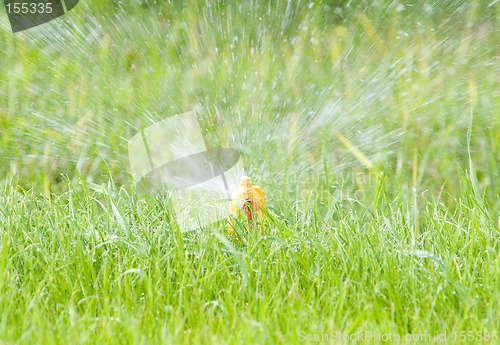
[[372, 126]]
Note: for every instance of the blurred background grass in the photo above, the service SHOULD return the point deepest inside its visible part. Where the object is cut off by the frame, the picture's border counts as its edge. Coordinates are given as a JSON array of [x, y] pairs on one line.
[[400, 80]]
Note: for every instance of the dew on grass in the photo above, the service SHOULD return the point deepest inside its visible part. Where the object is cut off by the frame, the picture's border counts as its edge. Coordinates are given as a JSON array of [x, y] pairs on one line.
[[424, 254]]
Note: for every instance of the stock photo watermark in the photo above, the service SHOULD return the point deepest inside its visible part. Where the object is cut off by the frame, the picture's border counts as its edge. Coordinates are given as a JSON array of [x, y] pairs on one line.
[[26, 14], [170, 158], [390, 338]]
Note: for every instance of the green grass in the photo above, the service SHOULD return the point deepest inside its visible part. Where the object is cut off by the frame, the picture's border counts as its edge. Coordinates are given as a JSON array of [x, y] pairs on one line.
[[90, 267], [373, 131]]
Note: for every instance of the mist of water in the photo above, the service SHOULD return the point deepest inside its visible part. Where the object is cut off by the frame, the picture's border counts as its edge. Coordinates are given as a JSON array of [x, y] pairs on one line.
[[293, 96]]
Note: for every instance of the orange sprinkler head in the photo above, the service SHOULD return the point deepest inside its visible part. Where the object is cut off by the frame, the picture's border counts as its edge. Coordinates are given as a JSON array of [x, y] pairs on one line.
[[245, 181], [247, 203]]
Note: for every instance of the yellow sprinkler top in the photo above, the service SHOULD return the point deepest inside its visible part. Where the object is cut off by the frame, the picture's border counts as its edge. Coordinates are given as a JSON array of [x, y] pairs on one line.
[[248, 201]]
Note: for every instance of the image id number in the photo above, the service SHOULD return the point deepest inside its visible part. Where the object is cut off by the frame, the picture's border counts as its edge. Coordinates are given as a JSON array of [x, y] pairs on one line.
[[29, 7]]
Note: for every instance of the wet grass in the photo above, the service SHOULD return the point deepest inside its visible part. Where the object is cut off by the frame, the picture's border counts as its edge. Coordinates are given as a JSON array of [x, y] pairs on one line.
[[88, 267], [373, 131]]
